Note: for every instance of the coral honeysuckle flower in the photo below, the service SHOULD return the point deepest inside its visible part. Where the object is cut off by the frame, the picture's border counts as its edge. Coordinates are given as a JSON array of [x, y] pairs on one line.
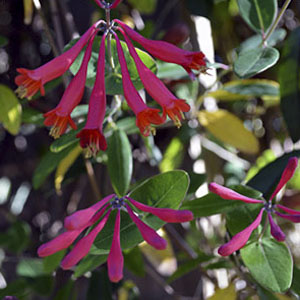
[[30, 81], [172, 106], [167, 52], [145, 116], [60, 117], [91, 136], [240, 239], [97, 216]]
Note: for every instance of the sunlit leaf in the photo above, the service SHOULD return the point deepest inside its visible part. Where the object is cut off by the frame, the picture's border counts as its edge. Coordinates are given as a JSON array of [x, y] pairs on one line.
[[229, 129], [228, 293]]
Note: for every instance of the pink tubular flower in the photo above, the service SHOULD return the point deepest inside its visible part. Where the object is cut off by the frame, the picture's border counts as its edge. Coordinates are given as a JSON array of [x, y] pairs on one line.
[[91, 136], [100, 212], [145, 116], [59, 117], [172, 106], [240, 239], [30, 81], [168, 52]]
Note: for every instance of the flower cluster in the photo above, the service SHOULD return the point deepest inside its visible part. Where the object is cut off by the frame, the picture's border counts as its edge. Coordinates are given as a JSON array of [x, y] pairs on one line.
[[95, 217], [240, 239], [91, 136]]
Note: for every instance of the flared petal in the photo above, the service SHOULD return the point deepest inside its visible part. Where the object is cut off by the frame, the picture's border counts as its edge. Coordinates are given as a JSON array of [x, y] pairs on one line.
[[83, 247], [61, 242], [168, 52], [148, 234], [30, 81], [166, 214], [241, 238], [146, 118], [293, 218], [172, 106], [276, 231], [288, 210], [115, 260], [82, 217], [287, 174], [229, 194]]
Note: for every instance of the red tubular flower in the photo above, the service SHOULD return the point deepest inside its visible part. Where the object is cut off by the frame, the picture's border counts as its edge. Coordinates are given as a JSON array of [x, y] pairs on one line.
[[91, 136], [149, 234], [59, 117], [115, 260], [168, 52], [81, 220], [30, 81], [239, 240], [82, 217], [83, 247], [145, 116], [172, 106], [166, 214]]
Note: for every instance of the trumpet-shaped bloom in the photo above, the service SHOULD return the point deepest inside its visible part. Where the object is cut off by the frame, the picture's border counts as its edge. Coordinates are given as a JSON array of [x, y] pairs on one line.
[[145, 116], [60, 117], [91, 136], [97, 215], [30, 81], [240, 239], [172, 106], [168, 52]]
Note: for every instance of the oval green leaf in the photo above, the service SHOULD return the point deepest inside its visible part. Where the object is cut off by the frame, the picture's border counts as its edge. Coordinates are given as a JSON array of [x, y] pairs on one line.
[[258, 14], [113, 79], [254, 61], [164, 190], [289, 84], [270, 263], [11, 110], [119, 161]]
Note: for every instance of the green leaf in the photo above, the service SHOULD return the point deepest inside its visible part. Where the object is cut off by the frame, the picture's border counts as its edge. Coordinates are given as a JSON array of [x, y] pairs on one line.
[[3, 41], [134, 261], [170, 71], [255, 41], [11, 110], [270, 263], [31, 267], [32, 116], [254, 61], [47, 165], [212, 204], [258, 14], [144, 6], [113, 80], [296, 280], [196, 181], [289, 84], [51, 262], [253, 87], [99, 286], [18, 288], [65, 292], [119, 161], [268, 177], [89, 263], [164, 190], [189, 266]]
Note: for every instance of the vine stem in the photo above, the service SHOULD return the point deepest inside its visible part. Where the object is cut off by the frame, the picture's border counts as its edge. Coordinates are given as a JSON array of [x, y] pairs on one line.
[[108, 24], [92, 178], [279, 16]]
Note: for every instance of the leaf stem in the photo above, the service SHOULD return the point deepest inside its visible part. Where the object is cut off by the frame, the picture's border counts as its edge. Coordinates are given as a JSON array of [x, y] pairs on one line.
[[278, 18], [260, 18]]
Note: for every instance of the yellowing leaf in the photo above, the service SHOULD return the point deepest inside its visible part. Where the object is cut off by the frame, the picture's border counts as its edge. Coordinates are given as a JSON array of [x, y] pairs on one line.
[[28, 11], [164, 261], [10, 111], [229, 129], [228, 293], [223, 95], [64, 166]]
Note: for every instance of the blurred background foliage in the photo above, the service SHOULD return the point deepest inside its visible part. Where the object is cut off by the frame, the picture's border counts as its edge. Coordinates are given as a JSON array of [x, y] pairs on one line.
[[236, 127]]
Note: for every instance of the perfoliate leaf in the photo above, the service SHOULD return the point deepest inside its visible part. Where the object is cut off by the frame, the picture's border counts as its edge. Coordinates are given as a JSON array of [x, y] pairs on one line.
[[270, 263], [11, 110], [254, 61], [229, 129], [259, 14]]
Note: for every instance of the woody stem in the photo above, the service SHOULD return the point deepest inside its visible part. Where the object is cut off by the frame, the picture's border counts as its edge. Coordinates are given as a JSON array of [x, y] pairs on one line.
[[108, 24]]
